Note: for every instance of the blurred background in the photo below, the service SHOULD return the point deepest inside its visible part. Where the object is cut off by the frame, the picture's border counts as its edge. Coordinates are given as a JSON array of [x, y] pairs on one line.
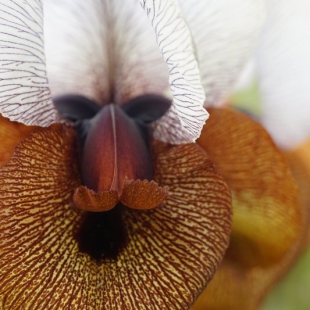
[[293, 291]]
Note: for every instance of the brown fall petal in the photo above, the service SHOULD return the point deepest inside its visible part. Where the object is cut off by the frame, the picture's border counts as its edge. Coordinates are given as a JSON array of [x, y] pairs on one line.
[[10, 134], [168, 254], [299, 162], [268, 222]]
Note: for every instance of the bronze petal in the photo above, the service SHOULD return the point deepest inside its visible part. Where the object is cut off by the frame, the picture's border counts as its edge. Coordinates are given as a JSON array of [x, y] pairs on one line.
[[268, 223], [171, 251], [10, 134]]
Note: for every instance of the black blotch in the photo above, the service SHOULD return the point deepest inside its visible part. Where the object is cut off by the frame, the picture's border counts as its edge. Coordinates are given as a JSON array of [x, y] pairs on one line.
[[102, 235], [147, 108], [75, 107]]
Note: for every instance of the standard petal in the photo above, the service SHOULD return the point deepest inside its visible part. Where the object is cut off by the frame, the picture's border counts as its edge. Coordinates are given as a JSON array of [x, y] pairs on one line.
[[284, 71], [168, 253], [225, 33], [115, 57], [175, 43], [24, 91], [10, 134], [105, 50], [269, 224]]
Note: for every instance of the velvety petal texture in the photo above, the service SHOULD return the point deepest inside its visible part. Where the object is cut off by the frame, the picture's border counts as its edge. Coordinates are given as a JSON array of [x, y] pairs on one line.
[[168, 254], [269, 223], [225, 33], [284, 71], [24, 91]]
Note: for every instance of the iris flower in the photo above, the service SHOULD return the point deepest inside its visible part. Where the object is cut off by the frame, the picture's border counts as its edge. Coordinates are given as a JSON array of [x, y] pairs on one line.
[[108, 203]]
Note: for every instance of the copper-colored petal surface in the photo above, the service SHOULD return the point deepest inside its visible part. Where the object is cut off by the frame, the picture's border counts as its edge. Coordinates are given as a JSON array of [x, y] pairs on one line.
[[87, 200], [268, 223], [170, 253], [299, 162], [195, 217], [36, 186], [142, 195], [10, 134]]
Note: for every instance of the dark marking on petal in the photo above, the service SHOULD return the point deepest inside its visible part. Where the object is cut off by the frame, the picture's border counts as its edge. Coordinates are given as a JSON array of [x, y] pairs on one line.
[[147, 108], [75, 107], [102, 235]]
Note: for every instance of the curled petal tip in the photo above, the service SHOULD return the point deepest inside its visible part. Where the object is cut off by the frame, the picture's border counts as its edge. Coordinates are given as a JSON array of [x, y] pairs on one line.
[[142, 195], [87, 200], [175, 43]]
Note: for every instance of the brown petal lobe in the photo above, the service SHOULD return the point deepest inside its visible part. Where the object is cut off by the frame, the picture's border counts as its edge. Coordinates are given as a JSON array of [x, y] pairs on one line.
[[268, 222], [170, 252], [113, 150], [87, 200], [299, 162], [142, 195], [10, 134], [267, 215]]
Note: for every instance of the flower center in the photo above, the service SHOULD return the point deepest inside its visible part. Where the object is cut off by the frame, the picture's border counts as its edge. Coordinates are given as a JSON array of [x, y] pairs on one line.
[[116, 165]]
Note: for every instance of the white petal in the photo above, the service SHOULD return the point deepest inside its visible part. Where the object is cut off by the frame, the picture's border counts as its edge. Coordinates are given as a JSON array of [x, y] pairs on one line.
[[24, 91], [105, 50], [225, 33], [284, 71], [175, 43]]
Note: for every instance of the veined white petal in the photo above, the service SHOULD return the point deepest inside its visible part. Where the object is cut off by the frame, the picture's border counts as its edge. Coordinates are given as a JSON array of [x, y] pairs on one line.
[[175, 43], [24, 90], [225, 33], [105, 50], [284, 71]]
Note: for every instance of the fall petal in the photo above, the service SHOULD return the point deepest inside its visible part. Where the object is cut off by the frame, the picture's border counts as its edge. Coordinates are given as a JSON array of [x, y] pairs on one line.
[[262, 186], [224, 33], [299, 163], [237, 288], [35, 188], [268, 223], [10, 134], [24, 91], [167, 256], [284, 71]]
